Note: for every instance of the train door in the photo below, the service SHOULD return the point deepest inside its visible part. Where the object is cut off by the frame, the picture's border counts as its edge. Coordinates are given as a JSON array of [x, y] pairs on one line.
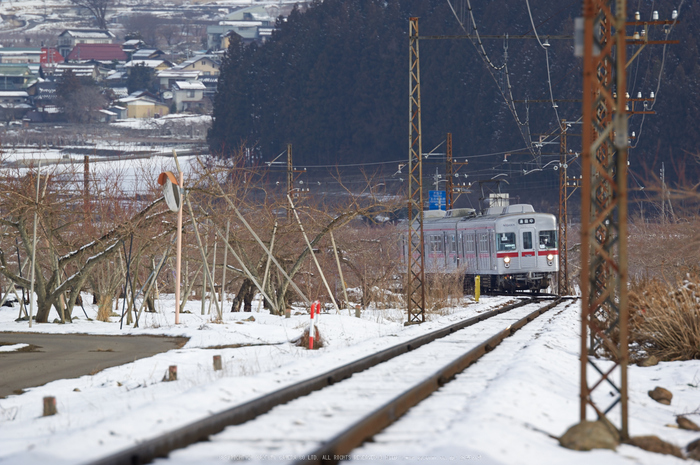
[[483, 251], [470, 251], [528, 254], [460, 248]]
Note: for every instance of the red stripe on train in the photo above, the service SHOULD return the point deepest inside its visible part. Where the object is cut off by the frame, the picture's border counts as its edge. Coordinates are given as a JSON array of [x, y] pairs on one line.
[[547, 252], [507, 254]]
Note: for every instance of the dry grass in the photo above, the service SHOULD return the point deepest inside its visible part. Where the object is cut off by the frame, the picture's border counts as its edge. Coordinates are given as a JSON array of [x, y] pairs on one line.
[[104, 308], [443, 291], [665, 318]]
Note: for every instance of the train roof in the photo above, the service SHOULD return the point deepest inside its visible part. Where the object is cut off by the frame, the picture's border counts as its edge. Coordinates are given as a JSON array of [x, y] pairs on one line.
[[491, 214]]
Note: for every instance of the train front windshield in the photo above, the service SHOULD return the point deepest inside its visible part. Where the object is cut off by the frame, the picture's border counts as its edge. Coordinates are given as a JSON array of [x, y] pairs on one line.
[[506, 241], [548, 239]]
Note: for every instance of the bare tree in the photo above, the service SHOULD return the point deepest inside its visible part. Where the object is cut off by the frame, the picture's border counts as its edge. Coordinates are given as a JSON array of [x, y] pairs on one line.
[[98, 8]]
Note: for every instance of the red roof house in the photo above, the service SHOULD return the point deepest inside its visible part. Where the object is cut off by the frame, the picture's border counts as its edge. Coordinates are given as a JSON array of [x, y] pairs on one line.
[[97, 52]]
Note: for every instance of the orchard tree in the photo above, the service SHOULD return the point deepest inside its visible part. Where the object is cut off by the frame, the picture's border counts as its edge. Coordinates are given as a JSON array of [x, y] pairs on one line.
[[98, 8]]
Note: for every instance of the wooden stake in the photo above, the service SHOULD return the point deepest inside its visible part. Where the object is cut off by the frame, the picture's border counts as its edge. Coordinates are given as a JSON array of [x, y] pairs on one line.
[[31, 294], [172, 373], [223, 277], [340, 272], [217, 362], [50, 406]]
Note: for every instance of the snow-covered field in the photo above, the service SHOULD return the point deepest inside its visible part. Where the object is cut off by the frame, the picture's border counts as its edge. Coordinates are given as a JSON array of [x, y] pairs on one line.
[[503, 410]]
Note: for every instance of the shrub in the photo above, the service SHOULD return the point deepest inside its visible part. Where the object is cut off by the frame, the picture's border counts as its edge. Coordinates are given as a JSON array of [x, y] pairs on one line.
[[665, 318]]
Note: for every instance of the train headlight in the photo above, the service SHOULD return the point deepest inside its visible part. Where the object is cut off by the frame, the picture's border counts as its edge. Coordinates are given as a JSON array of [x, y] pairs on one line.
[[506, 261], [550, 257]]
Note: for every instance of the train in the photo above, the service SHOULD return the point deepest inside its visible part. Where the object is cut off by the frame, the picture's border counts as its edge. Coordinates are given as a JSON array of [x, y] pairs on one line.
[[511, 248]]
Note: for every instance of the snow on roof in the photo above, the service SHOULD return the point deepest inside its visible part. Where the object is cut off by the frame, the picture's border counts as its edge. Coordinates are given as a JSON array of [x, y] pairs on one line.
[[14, 51], [88, 34], [137, 101], [241, 23], [145, 53], [10, 93], [120, 91], [179, 73], [195, 59], [190, 85], [108, 113], [146, 63], [116, 76]]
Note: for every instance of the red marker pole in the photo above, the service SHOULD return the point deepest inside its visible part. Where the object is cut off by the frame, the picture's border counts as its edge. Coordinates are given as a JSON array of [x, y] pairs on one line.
[[311, 326]]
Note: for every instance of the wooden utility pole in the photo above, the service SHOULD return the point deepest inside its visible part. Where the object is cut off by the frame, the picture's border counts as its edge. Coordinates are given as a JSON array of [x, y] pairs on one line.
[[563, 275]]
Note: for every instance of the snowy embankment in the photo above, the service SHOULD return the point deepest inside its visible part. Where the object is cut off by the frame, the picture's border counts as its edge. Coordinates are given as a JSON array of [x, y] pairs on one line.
[[502, 410]]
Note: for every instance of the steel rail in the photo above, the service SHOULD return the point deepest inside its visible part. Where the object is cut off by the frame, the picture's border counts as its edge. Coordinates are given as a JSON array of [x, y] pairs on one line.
[[342, 444], [200, 430]]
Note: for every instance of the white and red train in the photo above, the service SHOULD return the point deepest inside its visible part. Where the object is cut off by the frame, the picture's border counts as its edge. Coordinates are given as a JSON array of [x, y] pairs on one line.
[[511, 248]]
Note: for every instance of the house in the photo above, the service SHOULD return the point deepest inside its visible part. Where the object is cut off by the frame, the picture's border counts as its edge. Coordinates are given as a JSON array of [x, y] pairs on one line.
[[79, 70], [147, 54], [45, 95], [103, 53], [50, 55], [105, 116], [119, 111], [169, 77], [208, 65], [14, 55], [131, 46], [13, 104], [254, 23], [155, 65], [188, 95], [16, 77], [72, 37], [211, 83], [143, 107]]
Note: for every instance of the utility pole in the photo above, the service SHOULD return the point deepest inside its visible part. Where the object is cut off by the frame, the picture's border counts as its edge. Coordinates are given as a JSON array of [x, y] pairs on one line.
[[563, 276], [295, 193], [663, 194], [604, 206], [290, 179], [415, 289], [452, 171], [448, 174], [605, 146], [86, 185]]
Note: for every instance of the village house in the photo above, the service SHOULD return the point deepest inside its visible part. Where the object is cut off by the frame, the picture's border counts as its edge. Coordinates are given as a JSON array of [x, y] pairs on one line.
[[72, 37]]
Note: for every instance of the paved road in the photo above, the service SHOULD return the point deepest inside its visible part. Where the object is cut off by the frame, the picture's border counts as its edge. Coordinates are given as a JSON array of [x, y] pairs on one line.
[[61, 356]]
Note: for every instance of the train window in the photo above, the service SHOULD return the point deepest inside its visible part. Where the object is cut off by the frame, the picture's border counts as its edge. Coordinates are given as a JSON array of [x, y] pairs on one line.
[[453, 244], [548, 239], [506, 241], [436, 244], [527, 240]]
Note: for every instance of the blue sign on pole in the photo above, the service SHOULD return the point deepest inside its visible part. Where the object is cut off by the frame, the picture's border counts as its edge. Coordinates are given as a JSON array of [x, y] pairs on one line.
[[437, 200]]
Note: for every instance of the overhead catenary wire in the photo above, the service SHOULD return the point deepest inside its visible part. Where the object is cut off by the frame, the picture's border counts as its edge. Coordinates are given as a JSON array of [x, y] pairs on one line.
[[546, 53], [482, 52]]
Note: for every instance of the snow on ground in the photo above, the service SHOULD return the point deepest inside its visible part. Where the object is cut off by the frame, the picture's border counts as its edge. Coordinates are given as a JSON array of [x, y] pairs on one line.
[[12, 347], [152, 123], [501, 411]]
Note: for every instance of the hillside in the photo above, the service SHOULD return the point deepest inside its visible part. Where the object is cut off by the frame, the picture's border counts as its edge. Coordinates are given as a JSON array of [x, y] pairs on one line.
[[333, 82]]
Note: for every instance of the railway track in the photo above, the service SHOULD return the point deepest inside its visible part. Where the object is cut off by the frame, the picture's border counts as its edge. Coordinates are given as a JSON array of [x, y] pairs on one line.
[[323, 418]]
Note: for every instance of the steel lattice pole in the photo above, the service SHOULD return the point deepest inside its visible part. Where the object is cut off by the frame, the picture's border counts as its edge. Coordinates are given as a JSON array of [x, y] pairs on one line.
[[604, 206], [415, 290]]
